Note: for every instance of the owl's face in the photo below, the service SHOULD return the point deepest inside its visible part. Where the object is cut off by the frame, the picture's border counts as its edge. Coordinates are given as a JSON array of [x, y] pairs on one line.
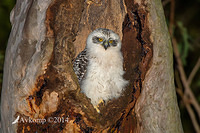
[[103, 39]]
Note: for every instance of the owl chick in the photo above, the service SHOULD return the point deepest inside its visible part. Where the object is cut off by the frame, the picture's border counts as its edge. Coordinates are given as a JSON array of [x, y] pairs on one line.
[[99, 67]]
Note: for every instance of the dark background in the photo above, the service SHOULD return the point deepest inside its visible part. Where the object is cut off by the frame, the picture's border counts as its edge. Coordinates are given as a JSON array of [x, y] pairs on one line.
[[186, 31]]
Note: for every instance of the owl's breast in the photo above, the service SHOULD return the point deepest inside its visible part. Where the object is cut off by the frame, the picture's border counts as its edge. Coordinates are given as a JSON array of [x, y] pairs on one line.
[[105, 67], [104, 77]]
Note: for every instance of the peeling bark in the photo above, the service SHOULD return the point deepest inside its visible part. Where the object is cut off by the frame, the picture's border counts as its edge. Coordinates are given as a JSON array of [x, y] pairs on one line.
[[39, 81]]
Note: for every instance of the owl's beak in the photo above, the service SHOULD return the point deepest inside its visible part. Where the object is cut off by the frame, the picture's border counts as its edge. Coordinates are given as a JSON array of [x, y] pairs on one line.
[[106, 44]]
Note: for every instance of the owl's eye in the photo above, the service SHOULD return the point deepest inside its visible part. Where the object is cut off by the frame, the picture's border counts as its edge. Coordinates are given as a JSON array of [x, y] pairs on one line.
[[100, 39], [110, 41]]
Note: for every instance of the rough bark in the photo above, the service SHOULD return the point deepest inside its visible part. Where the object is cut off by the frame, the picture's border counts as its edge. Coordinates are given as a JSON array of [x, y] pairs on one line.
[[156, 109], [39, 82]]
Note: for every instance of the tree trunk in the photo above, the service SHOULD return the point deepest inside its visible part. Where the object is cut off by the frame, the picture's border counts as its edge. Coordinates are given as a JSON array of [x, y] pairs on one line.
[[40, 89]]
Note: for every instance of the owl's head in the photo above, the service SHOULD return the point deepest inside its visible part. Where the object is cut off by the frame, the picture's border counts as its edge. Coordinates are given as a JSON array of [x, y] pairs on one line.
[[103, 39]]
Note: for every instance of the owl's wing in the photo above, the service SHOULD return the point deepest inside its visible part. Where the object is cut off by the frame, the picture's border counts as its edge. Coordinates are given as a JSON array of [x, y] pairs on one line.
[[80, 65]]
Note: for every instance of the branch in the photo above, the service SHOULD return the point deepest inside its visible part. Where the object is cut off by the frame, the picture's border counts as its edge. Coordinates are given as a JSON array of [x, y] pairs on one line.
[[183, 78], [188, 94], [188, 91], [189, 109], [194, 71], [193, 118]]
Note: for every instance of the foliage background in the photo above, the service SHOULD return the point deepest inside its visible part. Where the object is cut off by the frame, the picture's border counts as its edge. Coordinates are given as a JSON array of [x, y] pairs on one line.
[[186, 31]]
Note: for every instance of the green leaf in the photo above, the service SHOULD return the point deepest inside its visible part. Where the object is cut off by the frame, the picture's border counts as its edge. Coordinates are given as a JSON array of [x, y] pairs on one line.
[[185, 45]]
